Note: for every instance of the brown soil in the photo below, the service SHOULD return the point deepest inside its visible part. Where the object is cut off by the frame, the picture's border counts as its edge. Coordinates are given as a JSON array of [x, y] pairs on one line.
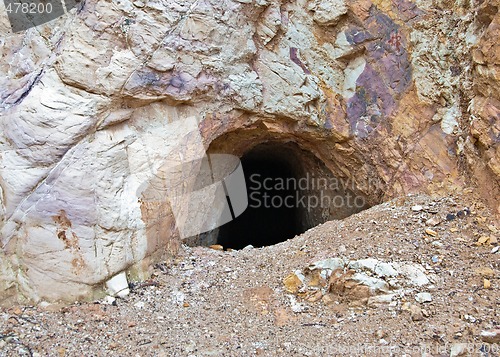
[[220, 303]]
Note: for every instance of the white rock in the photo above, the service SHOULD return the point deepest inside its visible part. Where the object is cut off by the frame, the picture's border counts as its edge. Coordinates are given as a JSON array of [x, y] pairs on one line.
[[415, 273], [458, 349], [449, 120], [327, 12], [417, 208], [491, 336], [108, 300], [383, 299], [331, 264], [381, 269], [118, 285], [139, 304], [363, 264], [351, 74], [423, 297], [300, 275], [375, 284], [271, 21], [385, 270]]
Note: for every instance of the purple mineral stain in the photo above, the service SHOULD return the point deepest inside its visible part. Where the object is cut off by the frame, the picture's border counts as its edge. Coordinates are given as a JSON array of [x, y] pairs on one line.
[[295, 59], [387, 74], [176, 82]]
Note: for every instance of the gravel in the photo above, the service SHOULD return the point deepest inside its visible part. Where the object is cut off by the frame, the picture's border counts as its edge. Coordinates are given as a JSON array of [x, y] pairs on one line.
[[210, 302]]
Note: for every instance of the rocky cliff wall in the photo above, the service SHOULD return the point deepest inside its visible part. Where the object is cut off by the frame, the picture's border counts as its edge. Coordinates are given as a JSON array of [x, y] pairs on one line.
[[94, 103]]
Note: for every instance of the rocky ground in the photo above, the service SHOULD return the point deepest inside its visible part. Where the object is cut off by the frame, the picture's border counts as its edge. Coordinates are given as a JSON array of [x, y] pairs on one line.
[[416, 276]]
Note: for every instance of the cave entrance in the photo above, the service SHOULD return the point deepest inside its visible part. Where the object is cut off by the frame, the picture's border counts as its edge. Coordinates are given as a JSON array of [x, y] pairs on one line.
[[289, 191], [272, 215]]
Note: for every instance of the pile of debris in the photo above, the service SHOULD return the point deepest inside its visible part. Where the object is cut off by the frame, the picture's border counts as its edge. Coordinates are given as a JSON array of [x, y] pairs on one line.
[[365, 282]]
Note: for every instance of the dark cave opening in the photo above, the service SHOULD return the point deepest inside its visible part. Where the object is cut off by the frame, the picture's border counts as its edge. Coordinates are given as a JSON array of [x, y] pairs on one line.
[[289, 190], [268, 218]]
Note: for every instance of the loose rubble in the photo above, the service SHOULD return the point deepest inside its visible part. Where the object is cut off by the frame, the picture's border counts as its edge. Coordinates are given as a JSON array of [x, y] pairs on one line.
[[364, 285]]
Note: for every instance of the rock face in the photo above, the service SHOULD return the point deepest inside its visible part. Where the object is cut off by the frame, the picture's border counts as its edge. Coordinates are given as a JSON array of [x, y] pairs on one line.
[[393, 96]]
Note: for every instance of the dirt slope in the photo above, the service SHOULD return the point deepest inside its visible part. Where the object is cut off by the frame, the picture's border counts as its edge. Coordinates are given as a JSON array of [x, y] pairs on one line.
[[221, 303]]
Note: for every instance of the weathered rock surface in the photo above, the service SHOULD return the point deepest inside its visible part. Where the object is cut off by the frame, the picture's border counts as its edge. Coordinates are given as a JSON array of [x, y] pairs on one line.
[[394, 96]]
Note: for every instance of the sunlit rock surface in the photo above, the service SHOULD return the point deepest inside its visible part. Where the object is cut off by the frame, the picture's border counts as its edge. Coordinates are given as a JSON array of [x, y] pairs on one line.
[[94, 103]]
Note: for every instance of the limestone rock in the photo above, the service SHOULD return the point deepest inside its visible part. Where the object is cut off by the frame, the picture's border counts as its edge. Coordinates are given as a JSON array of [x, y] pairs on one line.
[[327, 12], [95, 105], [118, 285]]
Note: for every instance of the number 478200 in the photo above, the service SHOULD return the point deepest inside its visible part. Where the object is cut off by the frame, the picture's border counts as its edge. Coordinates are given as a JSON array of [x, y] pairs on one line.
[[29, 8]]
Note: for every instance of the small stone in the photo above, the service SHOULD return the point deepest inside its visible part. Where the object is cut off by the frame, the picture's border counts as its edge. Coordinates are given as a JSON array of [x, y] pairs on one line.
[[483, 240], [493, 240], [292, 283], [450, 217], [216, 247], [423, 297], [331, 264], [248, 247], [453, 230], [327, 300], [434, 221], [485, 271], [492, 228], [185, 304], [458, 349], [431, 232], [416, 313], [486, 283], [495, 250], [437, 243], [384, 299], [17, 311], [109, 300], [435, 259], [417, 208], [470, 318], [139, 304], [118, 285], [491, 336]]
